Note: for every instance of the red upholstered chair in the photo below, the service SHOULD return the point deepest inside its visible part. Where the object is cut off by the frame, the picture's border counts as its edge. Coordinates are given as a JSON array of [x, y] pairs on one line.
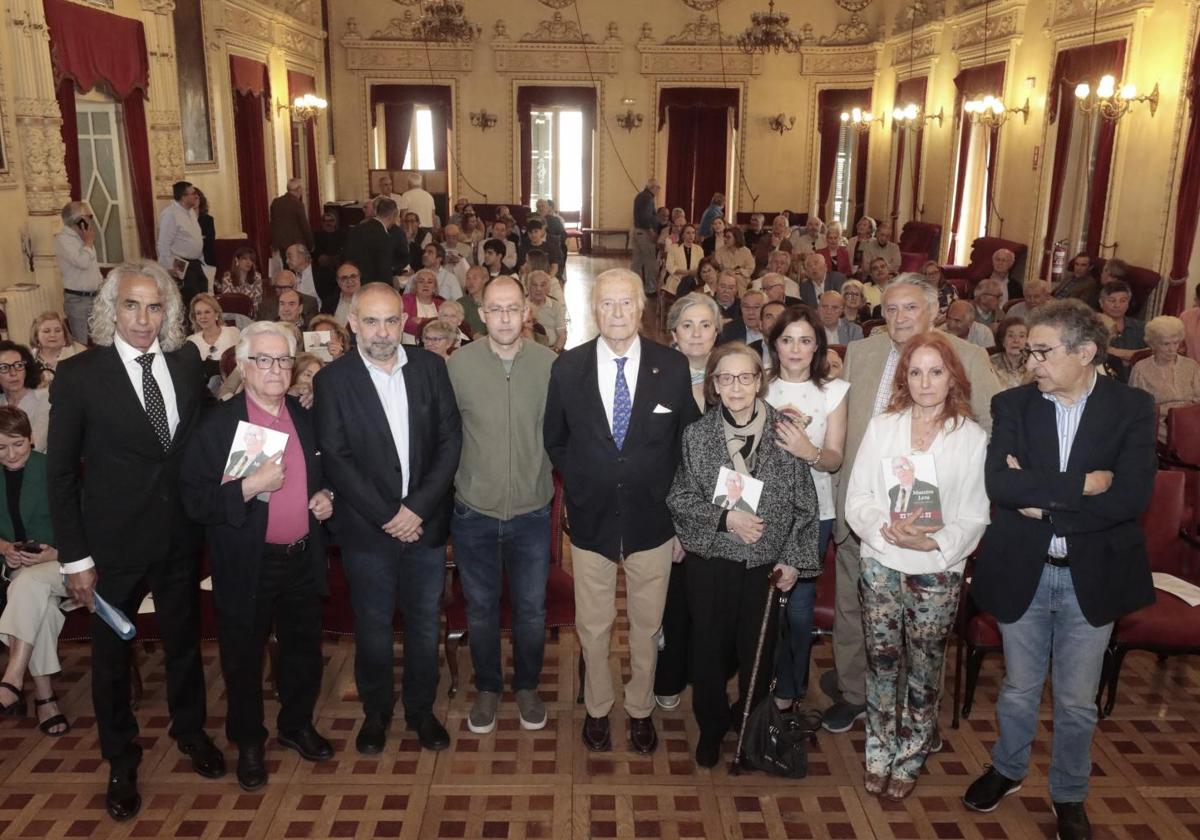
[[1182, 454], [236, 303], [228, 361], [224, 250], [965, 277], [840, 349], [1169, 625], [977, 635], [1141, 280], [919, 243], [869, 326], [560, 597]]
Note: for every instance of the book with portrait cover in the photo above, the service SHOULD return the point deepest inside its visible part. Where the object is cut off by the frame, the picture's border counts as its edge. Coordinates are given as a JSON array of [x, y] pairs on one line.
[[913, 486], [317, 343], [735, 491], [252, 446]]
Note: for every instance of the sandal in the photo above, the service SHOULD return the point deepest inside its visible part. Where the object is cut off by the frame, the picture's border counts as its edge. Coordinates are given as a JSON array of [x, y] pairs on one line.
[[57, 720], [875, 784], [16, 708], [899, 789]]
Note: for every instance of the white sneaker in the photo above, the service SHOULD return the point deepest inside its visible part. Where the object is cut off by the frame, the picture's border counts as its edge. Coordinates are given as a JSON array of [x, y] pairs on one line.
[[482, 718], [667, 702]]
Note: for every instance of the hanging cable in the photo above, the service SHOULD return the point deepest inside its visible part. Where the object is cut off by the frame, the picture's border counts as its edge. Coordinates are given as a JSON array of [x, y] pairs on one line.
[[725, 83]]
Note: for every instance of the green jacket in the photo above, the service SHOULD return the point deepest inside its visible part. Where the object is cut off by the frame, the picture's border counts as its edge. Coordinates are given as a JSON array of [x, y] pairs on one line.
[[35, 503], [504, 470]]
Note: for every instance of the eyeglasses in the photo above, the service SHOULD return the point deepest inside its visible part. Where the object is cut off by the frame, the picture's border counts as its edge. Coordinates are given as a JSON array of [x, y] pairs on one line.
[[726, 379], [346, 277], [17, 366], [435, 339], [511, 311], [281, 288], [1040, 355], [265, 362]]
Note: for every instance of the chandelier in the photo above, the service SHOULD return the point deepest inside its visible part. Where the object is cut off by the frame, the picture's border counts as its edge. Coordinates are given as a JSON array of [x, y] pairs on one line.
[[861, 120], [442, 21], [1111, 100], [305, 108], [990, 111], [769, 32], [911, 116]]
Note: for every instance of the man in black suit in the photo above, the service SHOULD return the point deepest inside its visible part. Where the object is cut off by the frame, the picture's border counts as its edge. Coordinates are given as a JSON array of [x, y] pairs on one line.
[[250, 457], [775, 286], [613, 430], [1070, 468], [370, 246], [819, 280], [912, 493], [268, 557], [127, 409], [284, 281], [745, 328], [390, 437]]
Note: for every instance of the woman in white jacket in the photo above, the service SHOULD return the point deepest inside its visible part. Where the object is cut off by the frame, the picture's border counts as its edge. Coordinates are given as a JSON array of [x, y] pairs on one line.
[[917, 501]]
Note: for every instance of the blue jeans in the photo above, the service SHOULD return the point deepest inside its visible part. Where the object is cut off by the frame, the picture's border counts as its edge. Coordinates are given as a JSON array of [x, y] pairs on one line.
[[412, 576], [486, 551], [1052, 626], [792, 656]]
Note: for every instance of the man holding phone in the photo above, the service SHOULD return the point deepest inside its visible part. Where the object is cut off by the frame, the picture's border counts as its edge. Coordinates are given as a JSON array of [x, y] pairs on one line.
[[75, 250]]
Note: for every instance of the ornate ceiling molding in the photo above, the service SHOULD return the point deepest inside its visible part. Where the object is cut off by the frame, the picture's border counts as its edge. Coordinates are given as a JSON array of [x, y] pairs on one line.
[[918, 13], [555, 46], [700, 32], [557, 30], [921, 49], [854, 31], [677, 54], [859, 61], [1072, 14], [1003, 26], [395, 48]]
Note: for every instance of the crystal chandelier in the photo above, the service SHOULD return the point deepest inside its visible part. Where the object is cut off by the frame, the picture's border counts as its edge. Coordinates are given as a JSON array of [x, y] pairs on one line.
[[990, 111], [1111, 100], [442, 21], [769, 32]]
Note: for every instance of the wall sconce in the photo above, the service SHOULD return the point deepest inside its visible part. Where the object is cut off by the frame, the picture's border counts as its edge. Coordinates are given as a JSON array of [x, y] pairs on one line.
[[629, 120], [304, 108], [861, 120], [1112, 101], [781, 123], [912, 118], [483, 120], [991, 112]]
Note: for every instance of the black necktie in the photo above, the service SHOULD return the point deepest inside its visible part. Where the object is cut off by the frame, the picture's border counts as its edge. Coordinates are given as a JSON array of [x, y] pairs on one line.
[[687, 253], [156, 409]]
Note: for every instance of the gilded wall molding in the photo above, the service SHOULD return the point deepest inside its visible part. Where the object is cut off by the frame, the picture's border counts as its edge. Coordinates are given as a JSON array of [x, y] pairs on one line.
[[297, 42], [557, 30], [562, 50], [400, 56], [1066, 11], [680, 60], [700, 32], [841, 61], [999, 29], [919, 12], [923, 49]]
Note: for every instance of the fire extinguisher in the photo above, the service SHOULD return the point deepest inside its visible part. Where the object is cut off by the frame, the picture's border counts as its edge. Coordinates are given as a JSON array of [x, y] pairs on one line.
[[1058, 260]]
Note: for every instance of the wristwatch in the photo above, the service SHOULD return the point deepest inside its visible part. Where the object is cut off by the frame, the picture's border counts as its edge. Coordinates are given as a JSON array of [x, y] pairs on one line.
[[330, 492]]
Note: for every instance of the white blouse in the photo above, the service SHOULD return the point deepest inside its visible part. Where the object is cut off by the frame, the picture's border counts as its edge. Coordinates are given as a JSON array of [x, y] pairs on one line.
[[817, 403], [958, 456]]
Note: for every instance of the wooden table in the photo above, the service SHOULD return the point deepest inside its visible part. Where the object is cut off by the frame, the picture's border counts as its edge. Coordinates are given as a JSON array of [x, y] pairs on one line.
[[589, 248]]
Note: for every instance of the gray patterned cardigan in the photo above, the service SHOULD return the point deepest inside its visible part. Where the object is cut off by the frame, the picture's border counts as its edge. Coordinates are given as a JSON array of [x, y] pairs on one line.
[[788, 505]]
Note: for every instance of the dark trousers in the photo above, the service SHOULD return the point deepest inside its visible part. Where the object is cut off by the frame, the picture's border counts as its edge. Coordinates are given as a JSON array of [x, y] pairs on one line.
[[671, 674], [412, 577], [486, 551], [731, 600], [193, 283], [286, 597], [175, 583]]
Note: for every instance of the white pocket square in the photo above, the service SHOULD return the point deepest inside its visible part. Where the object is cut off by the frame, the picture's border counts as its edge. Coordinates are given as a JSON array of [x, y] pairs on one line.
[[661, 409]]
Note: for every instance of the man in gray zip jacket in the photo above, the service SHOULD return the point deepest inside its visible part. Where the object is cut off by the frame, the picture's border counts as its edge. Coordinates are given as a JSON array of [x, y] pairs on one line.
[[502, 494]]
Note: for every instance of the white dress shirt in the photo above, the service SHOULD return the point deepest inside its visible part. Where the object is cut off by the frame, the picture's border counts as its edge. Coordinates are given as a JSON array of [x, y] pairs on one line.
[[305, 283], [342, 313], [178, 235], [162, 375], [77, 262], [606, 373], [419, 201], [394, 397]]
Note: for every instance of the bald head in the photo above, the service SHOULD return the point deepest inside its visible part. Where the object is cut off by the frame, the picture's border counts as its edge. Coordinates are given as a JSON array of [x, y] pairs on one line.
[[960, 316], [375, 294], [501, 283]]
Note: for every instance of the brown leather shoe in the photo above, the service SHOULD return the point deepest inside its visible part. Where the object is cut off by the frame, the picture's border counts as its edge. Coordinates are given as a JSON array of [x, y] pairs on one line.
[[596, 734], [642, 736]]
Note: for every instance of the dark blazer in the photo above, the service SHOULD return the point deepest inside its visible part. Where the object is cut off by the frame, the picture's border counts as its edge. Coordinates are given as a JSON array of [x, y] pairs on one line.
[[359, 456], [268, 309], [618, 497], [34, 504], [370, 246], [124, 509], [289, 223], [1105, 543], [237, 529], [833, 283]]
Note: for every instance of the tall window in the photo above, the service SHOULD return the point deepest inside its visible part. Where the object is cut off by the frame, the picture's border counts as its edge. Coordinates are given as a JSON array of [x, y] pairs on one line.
[[102, 177], [299, 149], [843, 175], [420, 142], [1074, 213], [557, 158], [974, 214]]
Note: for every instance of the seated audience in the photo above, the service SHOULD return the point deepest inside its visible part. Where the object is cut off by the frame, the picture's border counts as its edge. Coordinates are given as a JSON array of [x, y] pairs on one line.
[[774, 240], [1129, 333], [349, 281], [303, 371], [726, 297], [537, 239], [547, 311], [421, 304], [290, 309], [51, 342], [1191, 325], [243, 278], [19, 381], [756, 230], [934, 275], [771, 312], [1035, 292], [1172, 380], [733, 255], [1079, 282], [439, 337], [492, 257], [988, 296], [1114, 269], [775, 286], [780, 263], [917, 529], [284, 280], [508, 257], [472, 227], [417, 238], [1112, 366], [713, 237], [714, 211], [746, 327], [703, 279], [683, 259], [329, 241], [433, 258], [1003, 261], [299, 261], [835, 252], [881, 247], [831, 309], [1012, 337], [960, 321], [451, 312], [864, 232], [878, 276], [210, 335], [31, 620], [472, 300], [818, 279], [339, 336], [854, 298], [735, 547]]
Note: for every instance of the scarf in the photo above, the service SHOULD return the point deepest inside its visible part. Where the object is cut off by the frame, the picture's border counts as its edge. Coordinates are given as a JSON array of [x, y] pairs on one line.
[[743, 441]]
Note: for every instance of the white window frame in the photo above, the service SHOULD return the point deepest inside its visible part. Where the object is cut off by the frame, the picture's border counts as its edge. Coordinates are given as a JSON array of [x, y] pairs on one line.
[[842, 193], [94, 104], [556, 157]]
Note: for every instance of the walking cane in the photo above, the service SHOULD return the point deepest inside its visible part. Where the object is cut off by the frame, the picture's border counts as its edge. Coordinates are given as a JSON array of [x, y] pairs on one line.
[[735, 766]]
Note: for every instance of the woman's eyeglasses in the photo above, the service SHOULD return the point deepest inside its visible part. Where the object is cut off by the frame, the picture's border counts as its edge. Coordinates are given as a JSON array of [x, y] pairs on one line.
[[726, 379], [17, 366]]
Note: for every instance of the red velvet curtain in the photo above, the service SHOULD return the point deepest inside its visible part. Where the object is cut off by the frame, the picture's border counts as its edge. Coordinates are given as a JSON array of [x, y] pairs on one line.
[[697, 157], [440, 103], [910, 90], [90, 47], [298, 85], [251, 95], [1187, 208], [397, 121], [681, 159], [972, 82], [533, 97], [830, 105], [1070, 68], [702, 97]]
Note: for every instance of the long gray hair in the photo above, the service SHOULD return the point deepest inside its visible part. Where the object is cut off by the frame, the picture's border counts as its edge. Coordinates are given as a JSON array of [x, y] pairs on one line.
[[103, 321]]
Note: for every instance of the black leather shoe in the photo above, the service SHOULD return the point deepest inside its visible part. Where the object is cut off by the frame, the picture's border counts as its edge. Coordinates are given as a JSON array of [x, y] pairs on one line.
[[1072, 821], [372, 735], [985, 793], [430, 732], [252, 767], [206, 758], [642, 736], [122, 800], [309, 743], [596, 734], [708, 750]]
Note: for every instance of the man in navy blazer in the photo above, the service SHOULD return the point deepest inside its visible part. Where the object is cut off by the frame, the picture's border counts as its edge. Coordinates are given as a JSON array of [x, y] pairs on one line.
[[614, 423], [1070, 469], [819, 280], [390, 436]]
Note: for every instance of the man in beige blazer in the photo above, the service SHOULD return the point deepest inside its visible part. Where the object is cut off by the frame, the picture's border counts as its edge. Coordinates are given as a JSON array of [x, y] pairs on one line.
[[909, 306]]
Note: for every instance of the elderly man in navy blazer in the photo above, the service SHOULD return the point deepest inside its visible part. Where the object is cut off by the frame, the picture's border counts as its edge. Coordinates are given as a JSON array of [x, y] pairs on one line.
[[614, 424], [819, 279]]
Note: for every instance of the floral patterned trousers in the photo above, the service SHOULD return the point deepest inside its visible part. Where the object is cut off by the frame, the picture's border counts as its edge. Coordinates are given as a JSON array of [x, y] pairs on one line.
[[905, 617]]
